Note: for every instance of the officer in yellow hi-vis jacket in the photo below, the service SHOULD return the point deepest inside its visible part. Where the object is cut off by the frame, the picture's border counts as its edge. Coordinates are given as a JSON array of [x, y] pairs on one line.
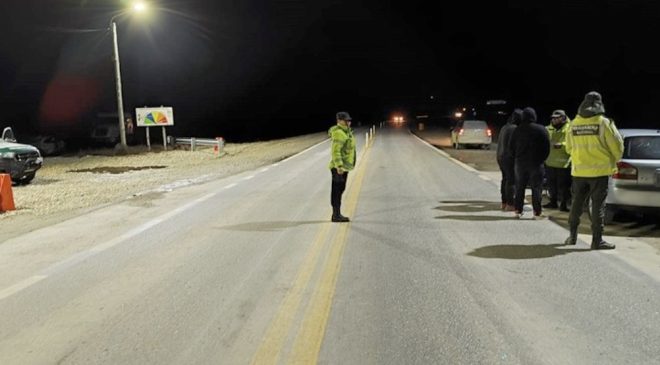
[[342, 161], [595, 146]]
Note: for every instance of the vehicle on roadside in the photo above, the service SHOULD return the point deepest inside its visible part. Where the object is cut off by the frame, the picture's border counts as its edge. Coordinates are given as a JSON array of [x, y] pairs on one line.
[[47, 145], [20, 161], [636, 185], [471, 133], [105, 131]]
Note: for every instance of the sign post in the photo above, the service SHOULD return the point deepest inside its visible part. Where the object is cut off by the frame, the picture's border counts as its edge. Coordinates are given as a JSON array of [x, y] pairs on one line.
[[155, 117]]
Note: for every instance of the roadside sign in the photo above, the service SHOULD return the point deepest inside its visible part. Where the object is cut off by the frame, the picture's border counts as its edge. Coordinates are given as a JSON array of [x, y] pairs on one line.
[[154, 117]]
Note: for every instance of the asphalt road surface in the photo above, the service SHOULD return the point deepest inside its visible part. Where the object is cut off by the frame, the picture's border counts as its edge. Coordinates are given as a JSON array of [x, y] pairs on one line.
[[249, 269]]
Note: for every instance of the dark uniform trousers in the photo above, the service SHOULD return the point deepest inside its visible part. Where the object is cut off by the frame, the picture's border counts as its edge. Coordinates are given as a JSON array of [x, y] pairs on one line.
[[559, 184], [338, 187], [583, 189]]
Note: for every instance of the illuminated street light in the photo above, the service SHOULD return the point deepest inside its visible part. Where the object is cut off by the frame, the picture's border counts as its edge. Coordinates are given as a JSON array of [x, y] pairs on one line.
[[138, 8]]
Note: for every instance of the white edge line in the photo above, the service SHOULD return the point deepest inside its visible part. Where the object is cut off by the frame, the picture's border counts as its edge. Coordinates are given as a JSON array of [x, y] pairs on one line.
[[301, 152], [81, 256], [446, 155]]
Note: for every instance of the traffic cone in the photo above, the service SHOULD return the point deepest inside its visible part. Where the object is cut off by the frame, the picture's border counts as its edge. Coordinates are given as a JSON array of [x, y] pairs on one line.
[[6, 194]]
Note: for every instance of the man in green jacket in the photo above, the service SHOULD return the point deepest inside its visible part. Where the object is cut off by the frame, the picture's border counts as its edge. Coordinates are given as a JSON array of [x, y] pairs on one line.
[[342, 161], [595, 146], [557, 165]]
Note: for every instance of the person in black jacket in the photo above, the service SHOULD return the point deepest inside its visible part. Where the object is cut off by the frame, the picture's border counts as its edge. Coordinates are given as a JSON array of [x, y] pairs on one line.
[[505, 161], [530, 147]]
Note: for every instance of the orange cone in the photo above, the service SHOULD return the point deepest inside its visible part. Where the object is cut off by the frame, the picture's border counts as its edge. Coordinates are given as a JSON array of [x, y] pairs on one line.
[[6, 194]]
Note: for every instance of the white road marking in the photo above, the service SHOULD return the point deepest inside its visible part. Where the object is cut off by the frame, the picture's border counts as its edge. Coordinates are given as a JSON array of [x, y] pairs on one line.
[[229, 186], [82, 256], [264, 169], [445, 154], [248, 178]]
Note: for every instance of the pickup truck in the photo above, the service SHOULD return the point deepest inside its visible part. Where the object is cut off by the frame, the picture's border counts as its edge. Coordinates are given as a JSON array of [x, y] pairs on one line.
[[20, 161]]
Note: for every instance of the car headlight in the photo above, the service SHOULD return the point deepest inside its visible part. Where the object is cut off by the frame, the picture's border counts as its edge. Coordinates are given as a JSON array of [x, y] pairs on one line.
[[8, 155]]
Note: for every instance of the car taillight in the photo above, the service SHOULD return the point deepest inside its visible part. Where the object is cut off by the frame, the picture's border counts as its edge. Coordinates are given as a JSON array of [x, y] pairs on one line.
[[460, 131], [489, 133], [625, 171]]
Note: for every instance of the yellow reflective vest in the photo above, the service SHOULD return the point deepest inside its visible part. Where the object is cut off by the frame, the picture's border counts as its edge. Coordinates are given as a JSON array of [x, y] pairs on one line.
[[595, 146], [558, 157]]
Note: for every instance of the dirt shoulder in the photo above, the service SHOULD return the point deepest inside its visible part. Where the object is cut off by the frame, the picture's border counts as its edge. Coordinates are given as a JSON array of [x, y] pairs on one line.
[[645, 228], [70, 186]]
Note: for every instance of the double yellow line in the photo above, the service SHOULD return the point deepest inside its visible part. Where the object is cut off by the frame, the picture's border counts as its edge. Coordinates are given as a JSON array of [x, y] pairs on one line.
[[309, 336]]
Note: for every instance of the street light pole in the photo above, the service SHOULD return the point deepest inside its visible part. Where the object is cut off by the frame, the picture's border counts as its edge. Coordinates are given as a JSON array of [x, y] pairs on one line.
[[120, 98]]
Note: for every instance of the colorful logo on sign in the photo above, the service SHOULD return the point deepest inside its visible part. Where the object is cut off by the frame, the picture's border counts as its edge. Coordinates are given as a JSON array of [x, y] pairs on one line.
[[155, 118]]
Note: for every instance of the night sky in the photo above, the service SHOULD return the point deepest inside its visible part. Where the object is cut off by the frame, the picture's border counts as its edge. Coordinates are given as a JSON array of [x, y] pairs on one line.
[[255, 70]]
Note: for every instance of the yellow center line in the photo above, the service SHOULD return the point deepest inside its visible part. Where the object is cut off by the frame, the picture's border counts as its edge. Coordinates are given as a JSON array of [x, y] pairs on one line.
[[307, 344], [277, 333], [271, 346]]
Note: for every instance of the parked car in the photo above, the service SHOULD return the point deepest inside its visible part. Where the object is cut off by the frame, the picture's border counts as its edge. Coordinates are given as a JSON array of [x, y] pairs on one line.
[[636, 186], [47, 145], [105, 135], [471, 132], [20, 161]]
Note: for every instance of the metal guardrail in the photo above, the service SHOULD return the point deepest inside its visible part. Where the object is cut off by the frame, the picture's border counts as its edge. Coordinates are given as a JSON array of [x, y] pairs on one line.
[[218, 143]]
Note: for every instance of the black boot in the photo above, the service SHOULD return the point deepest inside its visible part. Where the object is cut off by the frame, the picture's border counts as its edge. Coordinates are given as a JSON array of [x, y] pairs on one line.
[[337, 217], [572, 239]]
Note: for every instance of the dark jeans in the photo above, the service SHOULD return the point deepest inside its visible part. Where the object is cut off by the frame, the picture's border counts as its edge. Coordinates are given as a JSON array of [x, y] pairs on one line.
[[338, 187], [583, 189], [508, 185], [534, 177], [559, 184]]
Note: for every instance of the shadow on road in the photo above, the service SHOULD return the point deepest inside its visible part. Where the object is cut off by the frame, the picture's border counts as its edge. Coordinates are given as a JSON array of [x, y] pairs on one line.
[[523, 252], [468, 206], [479, 218], [268, 226]]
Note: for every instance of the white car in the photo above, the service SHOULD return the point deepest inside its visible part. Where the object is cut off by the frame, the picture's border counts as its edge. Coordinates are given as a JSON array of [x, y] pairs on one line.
[[636, 186], [471, 132]]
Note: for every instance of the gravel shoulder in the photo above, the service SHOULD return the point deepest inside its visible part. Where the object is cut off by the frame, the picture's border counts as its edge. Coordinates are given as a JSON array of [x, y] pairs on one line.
[[69, 186]]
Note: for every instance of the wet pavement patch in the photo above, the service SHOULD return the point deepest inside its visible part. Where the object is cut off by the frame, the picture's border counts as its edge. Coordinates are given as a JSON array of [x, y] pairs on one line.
[[117, 169]]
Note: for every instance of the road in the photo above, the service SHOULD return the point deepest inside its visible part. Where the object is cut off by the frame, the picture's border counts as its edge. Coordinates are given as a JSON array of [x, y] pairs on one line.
[[627, 226], [248, 269]]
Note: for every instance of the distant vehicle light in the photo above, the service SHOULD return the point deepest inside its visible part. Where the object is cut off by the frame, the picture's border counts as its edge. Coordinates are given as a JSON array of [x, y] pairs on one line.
[[460, 132], [489, 132], [458, 115]]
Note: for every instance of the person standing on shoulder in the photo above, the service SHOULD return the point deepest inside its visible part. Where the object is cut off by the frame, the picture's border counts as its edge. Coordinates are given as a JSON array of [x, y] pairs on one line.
[[595, 146], [557, 166], [529, 146], [505, 161], [342, 161]]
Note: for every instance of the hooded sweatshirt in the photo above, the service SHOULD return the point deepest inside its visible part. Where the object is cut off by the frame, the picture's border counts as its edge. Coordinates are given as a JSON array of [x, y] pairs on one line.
[[530, 143], [503, 155]]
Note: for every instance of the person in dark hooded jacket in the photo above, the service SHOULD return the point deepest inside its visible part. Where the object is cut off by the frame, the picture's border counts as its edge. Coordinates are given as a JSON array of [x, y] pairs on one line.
[[530, 147], [505, 161]]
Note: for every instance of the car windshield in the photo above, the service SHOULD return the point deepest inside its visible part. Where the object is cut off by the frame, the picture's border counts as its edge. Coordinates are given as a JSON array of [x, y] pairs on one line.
[[642, 148], [475, 124]]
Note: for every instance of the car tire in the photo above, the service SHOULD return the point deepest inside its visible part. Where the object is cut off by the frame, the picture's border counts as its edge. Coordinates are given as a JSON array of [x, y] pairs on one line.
[[26, 179], [610, 212]]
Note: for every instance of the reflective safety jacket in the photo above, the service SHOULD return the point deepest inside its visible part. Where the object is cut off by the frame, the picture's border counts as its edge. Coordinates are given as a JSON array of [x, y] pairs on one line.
[[342, 148], [595, 146], [558, 157]]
